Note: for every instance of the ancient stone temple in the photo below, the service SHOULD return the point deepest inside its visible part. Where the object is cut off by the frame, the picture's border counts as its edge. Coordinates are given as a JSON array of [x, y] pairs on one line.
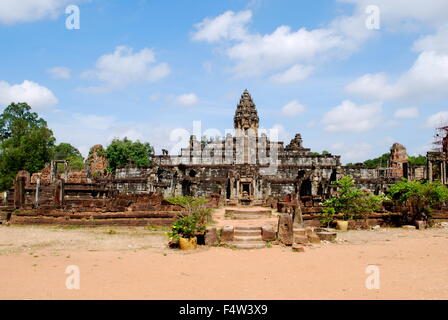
[[245, 168], [248, 167]]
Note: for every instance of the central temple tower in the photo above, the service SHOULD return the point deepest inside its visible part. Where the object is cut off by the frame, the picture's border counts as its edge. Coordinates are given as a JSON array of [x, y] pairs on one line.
[[246, 117]]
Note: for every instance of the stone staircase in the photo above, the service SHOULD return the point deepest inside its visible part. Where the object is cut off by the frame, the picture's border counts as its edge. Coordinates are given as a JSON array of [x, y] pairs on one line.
[[248, 237], [242, 227], [247, 214]]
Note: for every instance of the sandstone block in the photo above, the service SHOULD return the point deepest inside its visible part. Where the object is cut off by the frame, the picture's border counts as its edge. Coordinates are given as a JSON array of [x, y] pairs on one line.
[[285, 232], [211, 237], [227, 234], [268, 233]]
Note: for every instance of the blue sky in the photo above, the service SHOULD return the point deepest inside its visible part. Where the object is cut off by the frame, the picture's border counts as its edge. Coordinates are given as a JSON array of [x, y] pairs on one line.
[[144, 68]]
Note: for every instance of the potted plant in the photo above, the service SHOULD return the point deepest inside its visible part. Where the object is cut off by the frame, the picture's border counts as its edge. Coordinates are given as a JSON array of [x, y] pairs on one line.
[[342, 225], [191, 223], [183, 231]]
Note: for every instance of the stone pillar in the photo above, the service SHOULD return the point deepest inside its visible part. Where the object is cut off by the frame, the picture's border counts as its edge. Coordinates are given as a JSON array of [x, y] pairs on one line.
[[237, 189], [429, 171], [36, 195], [443, 172], [285, 229], [59, 193], [19, 192], [254, 189]]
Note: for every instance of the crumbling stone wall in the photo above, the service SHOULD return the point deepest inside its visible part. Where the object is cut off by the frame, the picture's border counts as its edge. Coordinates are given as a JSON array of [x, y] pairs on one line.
[[97, 203]]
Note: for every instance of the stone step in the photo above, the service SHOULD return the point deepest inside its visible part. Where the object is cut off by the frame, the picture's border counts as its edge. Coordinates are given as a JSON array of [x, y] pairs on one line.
[[265, 212], [251, 245], [248, 228], [248, 216], [249, 232], [247, 238]]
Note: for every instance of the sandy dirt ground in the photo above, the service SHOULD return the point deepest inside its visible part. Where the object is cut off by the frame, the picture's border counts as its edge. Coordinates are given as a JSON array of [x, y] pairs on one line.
[[134, 263]]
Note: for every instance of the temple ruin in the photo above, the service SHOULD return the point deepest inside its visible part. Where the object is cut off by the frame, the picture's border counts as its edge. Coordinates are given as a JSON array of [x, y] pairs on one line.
[[244, 168]]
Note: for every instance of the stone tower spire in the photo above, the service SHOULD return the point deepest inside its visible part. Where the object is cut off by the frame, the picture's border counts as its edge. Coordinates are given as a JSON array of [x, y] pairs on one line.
[[246, 117]]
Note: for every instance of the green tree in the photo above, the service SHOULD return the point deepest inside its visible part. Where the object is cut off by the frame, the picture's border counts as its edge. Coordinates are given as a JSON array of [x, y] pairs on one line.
[[124, 152], [350, 201], [16, 117], [419, 160], [65, 151], [420, 196], [381, 161], [26, 143]]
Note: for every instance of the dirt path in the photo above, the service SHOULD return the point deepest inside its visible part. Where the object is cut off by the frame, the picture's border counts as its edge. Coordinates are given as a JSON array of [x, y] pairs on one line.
[[135, 264]]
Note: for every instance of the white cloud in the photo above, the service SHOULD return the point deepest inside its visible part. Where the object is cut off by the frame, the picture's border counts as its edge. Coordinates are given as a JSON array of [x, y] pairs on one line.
[[427, 79], [357, 152], [292, 108], [257, 54], [187, 99], [14, 11], [293, 74], [407, 113], [348, 117], [123, 67], [437, 42], [59, 72], [437, 119], [37, 96], [373, 86], [227, 26]]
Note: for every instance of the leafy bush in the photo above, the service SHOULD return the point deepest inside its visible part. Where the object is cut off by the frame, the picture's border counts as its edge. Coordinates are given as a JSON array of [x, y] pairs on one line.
[[420, 196], [350, 201]]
